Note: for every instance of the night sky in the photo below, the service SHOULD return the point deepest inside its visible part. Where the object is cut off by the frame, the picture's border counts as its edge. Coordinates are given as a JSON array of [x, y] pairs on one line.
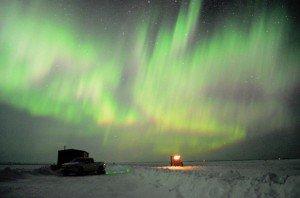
[[142, 79]]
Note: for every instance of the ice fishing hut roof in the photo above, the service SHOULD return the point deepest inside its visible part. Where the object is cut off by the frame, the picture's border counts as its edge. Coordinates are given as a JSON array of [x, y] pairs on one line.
[[72, 151]]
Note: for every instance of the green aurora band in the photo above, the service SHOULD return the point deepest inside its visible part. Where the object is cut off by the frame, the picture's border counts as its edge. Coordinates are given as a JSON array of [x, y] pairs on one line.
[[183, 95]]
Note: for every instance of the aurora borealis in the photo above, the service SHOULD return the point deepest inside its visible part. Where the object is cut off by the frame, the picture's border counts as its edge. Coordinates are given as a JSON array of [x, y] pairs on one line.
[[153, 83]]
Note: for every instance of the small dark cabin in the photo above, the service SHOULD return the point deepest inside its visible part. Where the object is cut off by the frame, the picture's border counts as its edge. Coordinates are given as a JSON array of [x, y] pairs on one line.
[[67, 155]]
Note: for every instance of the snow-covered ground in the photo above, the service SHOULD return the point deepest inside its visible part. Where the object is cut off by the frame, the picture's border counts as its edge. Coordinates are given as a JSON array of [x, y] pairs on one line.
[[279, 178]]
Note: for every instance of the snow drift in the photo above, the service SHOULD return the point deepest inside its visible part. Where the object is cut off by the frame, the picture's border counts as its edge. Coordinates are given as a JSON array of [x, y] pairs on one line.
[[211, 179]]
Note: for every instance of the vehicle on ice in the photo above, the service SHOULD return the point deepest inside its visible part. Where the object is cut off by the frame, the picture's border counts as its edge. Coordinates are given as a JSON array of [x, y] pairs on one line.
[[67, 155], [176, 160], [83, 165]]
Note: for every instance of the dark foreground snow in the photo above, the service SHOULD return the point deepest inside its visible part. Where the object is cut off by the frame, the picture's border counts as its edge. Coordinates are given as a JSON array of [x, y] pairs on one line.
[[212, 179]]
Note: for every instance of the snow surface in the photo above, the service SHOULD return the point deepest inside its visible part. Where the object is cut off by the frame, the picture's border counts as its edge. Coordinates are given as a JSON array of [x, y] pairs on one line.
[[278, 178]]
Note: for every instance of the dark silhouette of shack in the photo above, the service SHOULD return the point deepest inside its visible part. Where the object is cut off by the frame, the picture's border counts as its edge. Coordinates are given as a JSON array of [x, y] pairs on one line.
[[67, 155]]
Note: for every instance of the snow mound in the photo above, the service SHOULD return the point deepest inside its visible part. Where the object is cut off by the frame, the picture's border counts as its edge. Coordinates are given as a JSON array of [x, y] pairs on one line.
[[8, 174], [45, 170], [272, 177]]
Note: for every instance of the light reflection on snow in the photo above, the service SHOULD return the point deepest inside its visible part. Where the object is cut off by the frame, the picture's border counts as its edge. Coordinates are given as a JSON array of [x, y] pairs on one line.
[[181, 168]]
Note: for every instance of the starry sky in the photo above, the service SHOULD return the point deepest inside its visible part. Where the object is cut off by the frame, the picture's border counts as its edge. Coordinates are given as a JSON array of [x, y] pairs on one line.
[[138, 80]]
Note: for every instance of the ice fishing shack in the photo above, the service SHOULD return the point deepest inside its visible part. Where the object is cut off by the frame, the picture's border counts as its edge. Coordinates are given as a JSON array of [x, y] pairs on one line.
[[67, 155]]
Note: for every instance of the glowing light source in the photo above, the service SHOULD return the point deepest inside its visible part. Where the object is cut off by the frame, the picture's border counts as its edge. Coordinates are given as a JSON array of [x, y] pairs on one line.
[[176, 160], [176, 157]]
